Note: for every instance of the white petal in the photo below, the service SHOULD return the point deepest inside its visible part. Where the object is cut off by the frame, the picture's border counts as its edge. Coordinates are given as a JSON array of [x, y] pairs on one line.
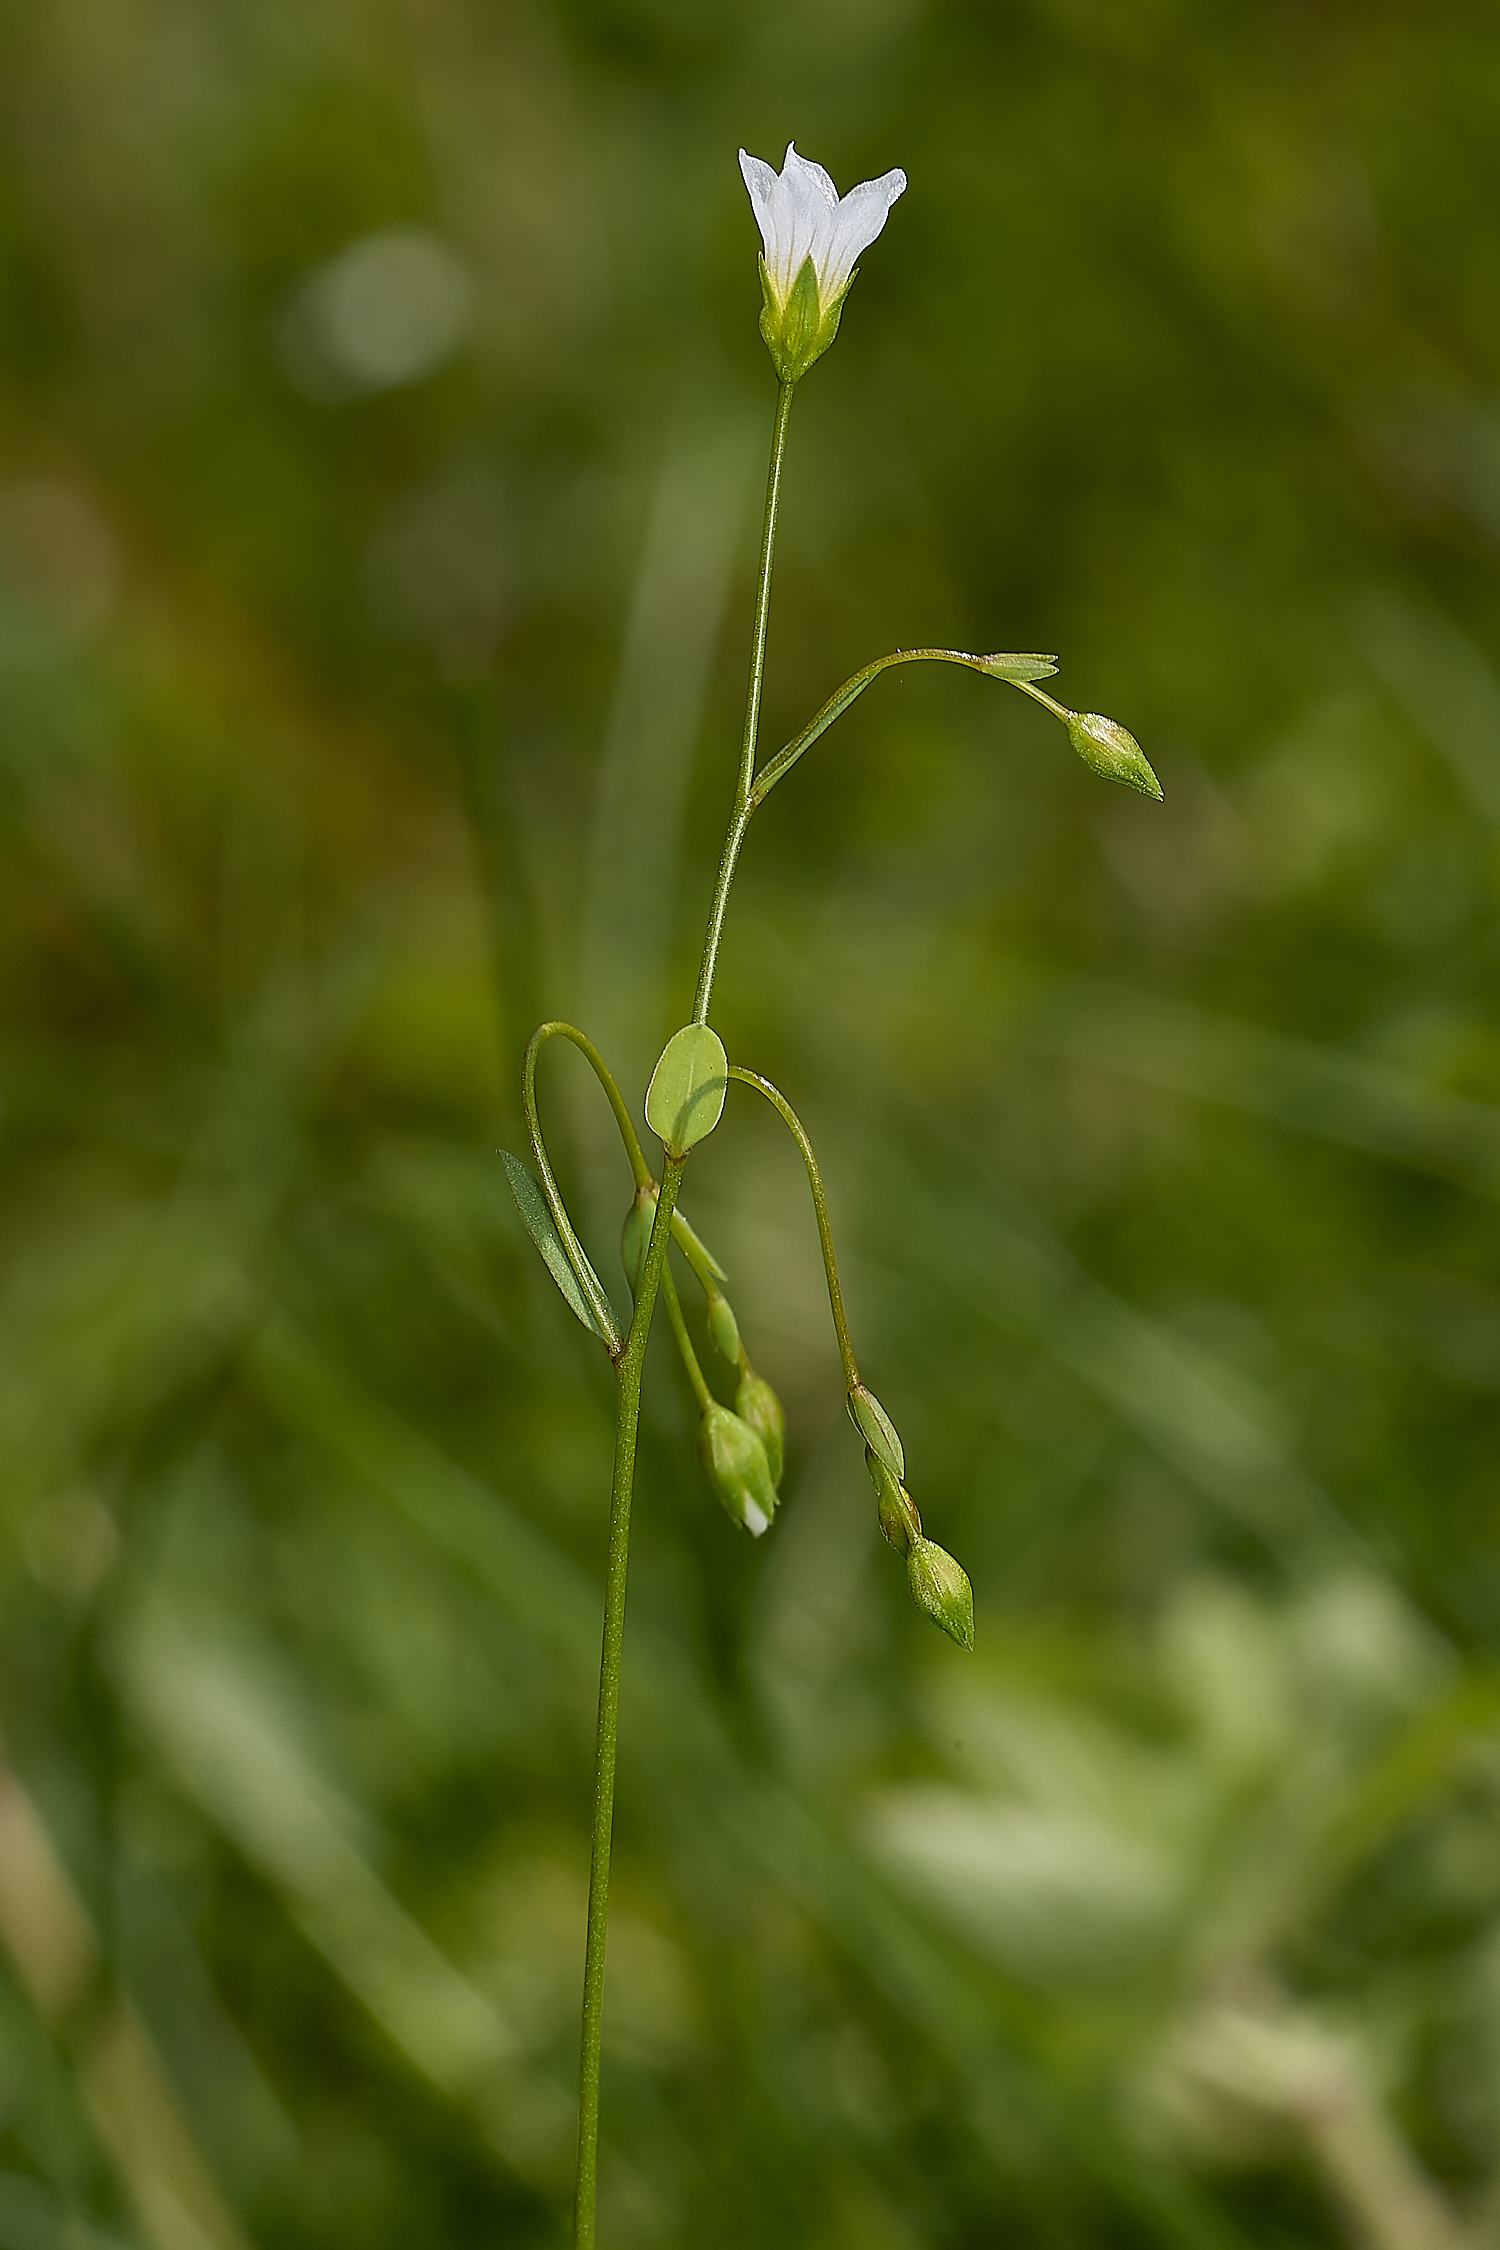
[[808, 175], [761, 183], [784, 229], [855, 224], [801, 216]]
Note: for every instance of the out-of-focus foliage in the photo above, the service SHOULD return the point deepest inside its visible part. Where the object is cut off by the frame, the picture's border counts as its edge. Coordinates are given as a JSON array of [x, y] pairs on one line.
[[384, 411]]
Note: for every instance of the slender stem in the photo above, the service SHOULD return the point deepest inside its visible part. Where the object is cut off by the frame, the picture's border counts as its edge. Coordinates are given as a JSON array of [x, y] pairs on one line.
[[794, 1125], [640, 1169], [732, 843], [1038, 695], [627, 1425], [997, 667], [739, 817], [690, 1360]]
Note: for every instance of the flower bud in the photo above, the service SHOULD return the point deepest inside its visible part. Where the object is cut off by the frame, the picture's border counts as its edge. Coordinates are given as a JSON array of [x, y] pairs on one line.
[[940, 1587], [735, 1463], [722, 1325], [1108, 750], [636, 1234], [756, 1403], [896, 1511]]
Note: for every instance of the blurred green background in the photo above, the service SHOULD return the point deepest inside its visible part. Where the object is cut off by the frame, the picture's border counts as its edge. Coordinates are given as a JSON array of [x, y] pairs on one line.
[[384, 425]]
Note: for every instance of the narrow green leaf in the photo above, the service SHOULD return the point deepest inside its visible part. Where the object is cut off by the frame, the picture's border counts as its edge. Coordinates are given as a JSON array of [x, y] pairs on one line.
[[532, 1205], [685, 1099]]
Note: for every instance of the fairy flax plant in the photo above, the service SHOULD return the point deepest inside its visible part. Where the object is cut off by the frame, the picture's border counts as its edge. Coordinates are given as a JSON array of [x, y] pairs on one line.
[[812, 237]]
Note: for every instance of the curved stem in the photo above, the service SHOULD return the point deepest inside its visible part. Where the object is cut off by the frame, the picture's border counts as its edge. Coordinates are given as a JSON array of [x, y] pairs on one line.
[[690, 1360], [794, 1125], [739, 817], [639, 1168], [1058, 710], [627, 1427], [853, 688]]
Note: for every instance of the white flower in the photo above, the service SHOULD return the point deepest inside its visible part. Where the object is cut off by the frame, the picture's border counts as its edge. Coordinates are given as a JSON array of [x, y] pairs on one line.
[[802, 216]]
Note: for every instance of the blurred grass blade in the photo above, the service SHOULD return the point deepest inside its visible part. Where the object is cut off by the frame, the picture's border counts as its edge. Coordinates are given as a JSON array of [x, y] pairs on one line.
[[51, 1942]]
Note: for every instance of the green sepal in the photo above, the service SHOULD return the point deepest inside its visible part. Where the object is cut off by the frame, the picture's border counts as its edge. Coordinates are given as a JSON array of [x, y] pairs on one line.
[[685, 1099], [800, 329], [542, 1228], [941, 1590], [877, 1429], [1109, 750], [757, 1404]]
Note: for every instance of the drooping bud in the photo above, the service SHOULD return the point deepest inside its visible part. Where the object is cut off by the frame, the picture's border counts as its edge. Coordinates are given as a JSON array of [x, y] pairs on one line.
[[940, 1587], [635, 1236], [876, 1428], [1109, 750], [734, 1461], [756, 1403], [896, 1511], [722, 1326]]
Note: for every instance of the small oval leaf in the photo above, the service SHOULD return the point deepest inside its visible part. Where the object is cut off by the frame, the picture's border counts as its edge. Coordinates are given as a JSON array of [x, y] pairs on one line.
[[540, 1225], [685, 1099]]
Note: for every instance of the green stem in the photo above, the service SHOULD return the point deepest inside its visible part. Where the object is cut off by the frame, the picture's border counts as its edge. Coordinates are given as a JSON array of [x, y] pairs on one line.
[[627, 1426], [739, 819], [690, 1360], [839, 702], [1038, 695], [640, 1169], [794, 1126]]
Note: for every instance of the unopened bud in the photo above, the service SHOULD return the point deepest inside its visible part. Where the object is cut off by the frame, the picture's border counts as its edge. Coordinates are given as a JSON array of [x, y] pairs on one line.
[[895, 1509], [940, 1587], [723, 1327], [735, 1463], [876, 1428], [756, 1403], [635, 1235], [1109, 750]]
